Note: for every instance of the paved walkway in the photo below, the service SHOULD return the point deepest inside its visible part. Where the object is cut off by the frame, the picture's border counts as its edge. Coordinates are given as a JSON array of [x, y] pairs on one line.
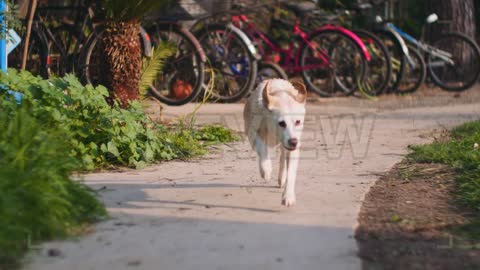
[[217, 213]]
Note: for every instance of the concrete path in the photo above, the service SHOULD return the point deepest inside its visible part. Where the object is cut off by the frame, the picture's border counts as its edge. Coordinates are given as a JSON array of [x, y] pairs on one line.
[[217, 213]]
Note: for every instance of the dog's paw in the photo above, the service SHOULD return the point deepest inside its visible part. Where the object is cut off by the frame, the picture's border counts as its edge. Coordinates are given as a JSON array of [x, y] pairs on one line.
[[266, 174], [281, 183], [288, 201]]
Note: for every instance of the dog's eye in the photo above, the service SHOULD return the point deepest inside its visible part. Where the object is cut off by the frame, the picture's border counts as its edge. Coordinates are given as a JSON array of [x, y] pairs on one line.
[[282, 124], [297, 123]]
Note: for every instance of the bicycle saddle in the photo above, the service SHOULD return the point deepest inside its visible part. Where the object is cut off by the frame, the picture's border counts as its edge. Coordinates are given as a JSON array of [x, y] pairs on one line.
[[361, 6], [324, 16], [300, 8]]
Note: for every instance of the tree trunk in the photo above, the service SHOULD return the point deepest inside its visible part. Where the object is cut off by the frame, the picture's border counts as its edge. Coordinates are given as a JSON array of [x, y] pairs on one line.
[[124, 59], [454, 15]]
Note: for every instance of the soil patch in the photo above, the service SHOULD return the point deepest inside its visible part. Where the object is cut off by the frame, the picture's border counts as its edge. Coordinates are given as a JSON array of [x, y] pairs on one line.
[[410, 220]]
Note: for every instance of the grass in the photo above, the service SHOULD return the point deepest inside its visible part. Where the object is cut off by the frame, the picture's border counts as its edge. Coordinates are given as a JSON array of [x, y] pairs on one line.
[[462, 153]]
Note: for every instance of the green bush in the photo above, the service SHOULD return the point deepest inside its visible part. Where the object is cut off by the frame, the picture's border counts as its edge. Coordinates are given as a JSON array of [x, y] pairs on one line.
[[101, 134], [38, 201], [463, 155]]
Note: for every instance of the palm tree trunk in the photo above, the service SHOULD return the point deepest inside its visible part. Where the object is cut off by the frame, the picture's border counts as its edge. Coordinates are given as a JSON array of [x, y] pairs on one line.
[[124, 59]]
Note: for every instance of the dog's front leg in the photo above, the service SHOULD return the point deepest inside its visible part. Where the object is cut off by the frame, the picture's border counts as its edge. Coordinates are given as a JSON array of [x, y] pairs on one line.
[[265, 163], [288, 197], [282, 173]]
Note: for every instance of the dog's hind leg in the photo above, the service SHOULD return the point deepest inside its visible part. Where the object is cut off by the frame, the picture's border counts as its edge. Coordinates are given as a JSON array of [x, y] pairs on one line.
[[288, 197], [282, 173], [264, 158]]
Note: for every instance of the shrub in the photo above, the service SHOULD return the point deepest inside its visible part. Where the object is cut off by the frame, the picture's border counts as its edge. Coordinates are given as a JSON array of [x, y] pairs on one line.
[[38, 201], [101, 134]]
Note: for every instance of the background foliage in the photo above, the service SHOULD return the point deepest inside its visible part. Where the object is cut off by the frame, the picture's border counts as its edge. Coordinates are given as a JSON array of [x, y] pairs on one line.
[[99, 134]]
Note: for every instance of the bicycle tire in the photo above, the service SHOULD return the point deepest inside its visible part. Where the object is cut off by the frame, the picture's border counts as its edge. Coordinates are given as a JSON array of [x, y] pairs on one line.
[[64, 49], [397, 58], [269, 70], [474, 60], [412, 80], [165, 91], [225, 64], [93, 50], [331, 51], [37, 55], [380, 61]]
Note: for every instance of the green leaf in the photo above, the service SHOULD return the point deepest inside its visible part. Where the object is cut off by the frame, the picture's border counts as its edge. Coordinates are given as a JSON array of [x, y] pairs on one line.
[[153, 65], [112, 149]]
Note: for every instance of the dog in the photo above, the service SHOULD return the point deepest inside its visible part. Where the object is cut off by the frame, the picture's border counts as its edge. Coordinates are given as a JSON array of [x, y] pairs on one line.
[[274, 115]]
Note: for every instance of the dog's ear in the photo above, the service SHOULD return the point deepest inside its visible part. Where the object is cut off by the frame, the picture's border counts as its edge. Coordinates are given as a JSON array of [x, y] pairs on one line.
[[267, 98], [302, 91]]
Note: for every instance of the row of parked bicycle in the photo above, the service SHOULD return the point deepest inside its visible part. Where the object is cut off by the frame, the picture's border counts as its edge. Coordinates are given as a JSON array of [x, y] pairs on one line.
[[231, 50]]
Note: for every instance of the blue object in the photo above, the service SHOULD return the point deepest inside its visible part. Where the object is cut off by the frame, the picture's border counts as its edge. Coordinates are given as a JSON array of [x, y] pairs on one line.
[[3, 51], [403, 34], [16, 95], [13, 40], [3, 42]]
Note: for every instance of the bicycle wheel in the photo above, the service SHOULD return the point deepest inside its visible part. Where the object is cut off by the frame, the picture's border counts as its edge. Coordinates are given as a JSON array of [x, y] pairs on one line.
[[93, 62], [414, 75], [269, 70], [37, 55], [181, 79], [463, 71], [64, 49], [398, 59], [344, 69], [379, 68], [234, 66]]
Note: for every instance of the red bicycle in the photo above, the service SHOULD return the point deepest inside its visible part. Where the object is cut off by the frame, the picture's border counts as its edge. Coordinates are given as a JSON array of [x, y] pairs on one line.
[[328, 58]]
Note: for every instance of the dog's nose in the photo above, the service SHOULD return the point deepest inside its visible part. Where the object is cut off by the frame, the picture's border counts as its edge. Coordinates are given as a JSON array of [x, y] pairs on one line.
[[293, 142]]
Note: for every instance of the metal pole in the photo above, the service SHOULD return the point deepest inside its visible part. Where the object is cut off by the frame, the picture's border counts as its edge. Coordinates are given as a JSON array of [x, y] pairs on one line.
[[3, 40]]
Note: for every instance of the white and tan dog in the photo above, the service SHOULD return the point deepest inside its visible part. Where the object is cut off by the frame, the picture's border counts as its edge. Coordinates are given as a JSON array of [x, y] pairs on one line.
[[274, 116]]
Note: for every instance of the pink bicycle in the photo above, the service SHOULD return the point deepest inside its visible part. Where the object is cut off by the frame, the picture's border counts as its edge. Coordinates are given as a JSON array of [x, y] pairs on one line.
[[328, 58]]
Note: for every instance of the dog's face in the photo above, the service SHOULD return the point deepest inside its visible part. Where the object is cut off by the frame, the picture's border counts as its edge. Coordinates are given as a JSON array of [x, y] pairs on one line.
[[286, 103]]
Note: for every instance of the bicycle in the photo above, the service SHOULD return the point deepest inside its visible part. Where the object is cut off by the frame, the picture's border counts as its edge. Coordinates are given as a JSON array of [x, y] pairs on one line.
[[325, 56], [379, 68], [50, 51], [38, 59], [231, 56], [185, 70], [452, 61]]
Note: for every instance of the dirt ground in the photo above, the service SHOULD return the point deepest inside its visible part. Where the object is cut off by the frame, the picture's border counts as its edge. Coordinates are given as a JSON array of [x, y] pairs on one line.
[[408, 221]]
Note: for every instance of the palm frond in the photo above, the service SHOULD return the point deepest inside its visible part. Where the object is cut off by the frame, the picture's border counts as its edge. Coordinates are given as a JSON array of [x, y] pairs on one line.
[[153, 65]]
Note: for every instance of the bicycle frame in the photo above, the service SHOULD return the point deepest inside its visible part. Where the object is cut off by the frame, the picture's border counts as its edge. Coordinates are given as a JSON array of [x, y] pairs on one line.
[[291, 53], [445, 56]]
